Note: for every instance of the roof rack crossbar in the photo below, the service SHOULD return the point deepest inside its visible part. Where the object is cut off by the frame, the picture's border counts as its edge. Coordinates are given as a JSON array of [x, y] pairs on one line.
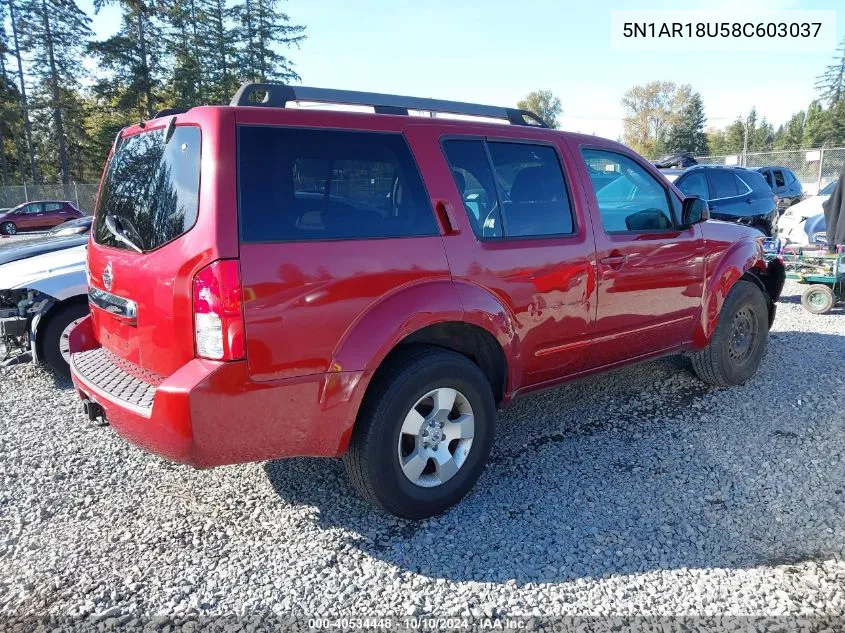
[[279, 95]]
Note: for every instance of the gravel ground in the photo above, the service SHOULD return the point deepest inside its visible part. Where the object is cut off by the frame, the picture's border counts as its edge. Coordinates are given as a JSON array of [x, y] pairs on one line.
[[637, 493]]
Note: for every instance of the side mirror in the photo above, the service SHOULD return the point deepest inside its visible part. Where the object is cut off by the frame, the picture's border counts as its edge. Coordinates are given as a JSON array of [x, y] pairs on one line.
[[694, 210]]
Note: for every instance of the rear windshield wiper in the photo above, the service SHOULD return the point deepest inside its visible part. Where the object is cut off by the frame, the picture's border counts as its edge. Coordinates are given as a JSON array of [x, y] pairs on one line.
[[114, 227]]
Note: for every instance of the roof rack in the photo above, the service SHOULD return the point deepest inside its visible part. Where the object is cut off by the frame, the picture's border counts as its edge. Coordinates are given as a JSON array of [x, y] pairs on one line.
[[272, 95]]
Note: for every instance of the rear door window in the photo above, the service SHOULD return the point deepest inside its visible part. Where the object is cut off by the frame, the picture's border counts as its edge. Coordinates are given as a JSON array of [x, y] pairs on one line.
[[150, 188], [723, 184], [695, 185], [304, 185], [535, 201], [779, 181], [511, 189]]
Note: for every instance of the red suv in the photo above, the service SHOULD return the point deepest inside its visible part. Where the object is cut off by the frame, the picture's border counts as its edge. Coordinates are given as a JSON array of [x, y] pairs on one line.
[[272, 282]]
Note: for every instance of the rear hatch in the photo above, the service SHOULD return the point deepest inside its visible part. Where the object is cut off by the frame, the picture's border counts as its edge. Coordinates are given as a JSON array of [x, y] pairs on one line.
[[150, 237]]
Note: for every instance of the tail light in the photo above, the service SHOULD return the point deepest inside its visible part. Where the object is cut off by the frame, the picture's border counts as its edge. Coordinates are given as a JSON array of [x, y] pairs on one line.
[[218, 311]]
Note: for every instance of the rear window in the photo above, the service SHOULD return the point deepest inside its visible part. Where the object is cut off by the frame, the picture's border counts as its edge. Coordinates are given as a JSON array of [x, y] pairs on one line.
[[151, 188], [302, 185]]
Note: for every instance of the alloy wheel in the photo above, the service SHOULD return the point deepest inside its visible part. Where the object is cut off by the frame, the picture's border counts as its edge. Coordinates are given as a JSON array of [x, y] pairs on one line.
[[436, 437]]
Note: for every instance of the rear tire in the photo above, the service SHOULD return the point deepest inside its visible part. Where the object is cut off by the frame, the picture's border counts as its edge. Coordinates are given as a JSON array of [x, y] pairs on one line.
[[736, 348], [8, 228], [409, 392], [56, 331], [818, 299]]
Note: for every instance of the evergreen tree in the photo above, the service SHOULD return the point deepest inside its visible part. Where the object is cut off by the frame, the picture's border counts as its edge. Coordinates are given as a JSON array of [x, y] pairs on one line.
[[734, 137], [218, 48], [182, 37], [831, 83], [789, 135], [817, 128], [761, 137], [24, 103], [55, 32], [134, 58], [261, 29], [686, 133]]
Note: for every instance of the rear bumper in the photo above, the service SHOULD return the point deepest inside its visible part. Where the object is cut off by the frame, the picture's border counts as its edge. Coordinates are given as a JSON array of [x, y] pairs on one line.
[[210, 413]]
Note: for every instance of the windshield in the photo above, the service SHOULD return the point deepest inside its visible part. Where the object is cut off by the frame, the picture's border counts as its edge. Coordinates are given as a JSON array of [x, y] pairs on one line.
[[151, 189], [828, 189]]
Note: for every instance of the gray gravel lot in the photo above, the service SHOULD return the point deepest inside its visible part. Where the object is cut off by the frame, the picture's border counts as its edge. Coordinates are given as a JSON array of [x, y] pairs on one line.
[[639, 492]]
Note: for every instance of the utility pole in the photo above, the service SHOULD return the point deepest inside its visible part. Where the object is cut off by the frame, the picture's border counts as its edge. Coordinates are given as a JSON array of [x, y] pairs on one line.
[[745, 143]]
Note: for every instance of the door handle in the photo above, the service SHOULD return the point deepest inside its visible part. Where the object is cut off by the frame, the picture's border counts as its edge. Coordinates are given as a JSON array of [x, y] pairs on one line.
[[615, 260]]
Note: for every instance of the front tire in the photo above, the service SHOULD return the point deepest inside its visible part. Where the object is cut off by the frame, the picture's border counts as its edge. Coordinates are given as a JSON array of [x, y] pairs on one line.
[[423, 434], [8, 228], [55, 343], [736, 348]]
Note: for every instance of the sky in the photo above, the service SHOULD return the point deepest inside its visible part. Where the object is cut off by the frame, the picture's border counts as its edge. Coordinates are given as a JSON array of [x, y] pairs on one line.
[[496, 51]]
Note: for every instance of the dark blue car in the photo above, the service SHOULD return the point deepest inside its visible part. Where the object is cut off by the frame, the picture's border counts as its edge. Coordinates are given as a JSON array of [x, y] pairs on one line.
[[735, 194]]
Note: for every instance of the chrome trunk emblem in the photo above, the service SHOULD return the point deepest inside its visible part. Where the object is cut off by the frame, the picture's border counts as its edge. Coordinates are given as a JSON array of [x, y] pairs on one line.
[[107, 276]]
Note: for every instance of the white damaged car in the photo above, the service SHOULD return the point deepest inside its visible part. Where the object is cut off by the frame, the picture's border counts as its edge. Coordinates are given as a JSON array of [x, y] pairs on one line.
[[803, 223], [41, 299]]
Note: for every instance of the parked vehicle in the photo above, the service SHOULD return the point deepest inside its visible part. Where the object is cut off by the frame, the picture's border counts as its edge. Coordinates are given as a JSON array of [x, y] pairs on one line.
[[41, 299], [375, 286], [78, 226], [734, 194], [803, 222], [42, 214], [784, 184], [38, 246], [678, 160]]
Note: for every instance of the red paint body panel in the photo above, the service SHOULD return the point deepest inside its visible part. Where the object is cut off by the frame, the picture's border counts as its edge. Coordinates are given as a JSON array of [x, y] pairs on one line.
[[321, 316], [210, 413], [160, 281]]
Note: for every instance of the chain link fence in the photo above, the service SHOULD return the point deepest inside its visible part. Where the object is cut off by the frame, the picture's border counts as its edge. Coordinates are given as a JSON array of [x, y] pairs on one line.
[[82, 195], [815, 168]]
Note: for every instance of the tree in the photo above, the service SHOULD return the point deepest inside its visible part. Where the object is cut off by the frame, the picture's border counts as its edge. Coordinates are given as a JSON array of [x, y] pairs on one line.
[[24, 104], [817, 128], [261, 29], [55, 32], [544, 104], [183, 40], [133, 58], [218, 49], [650, 111], [686, 132], [790, 134], [831, 83]]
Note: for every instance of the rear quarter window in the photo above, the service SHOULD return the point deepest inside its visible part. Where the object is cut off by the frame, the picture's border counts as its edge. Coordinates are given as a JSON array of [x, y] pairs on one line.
[[304, 185], [723, 184]]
